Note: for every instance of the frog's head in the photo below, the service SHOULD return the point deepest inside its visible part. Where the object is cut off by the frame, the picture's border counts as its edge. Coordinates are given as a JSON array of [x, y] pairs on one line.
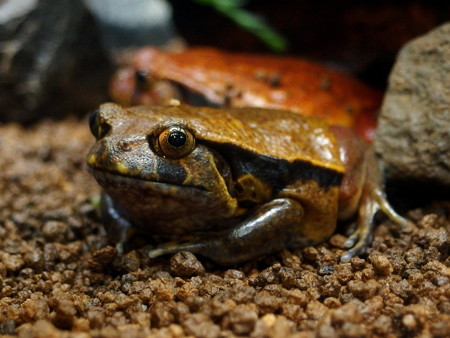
[[149, 162]]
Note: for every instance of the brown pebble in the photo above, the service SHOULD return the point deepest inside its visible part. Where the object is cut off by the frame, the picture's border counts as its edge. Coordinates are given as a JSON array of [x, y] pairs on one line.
[[34, 309], [54, 230], [96, 319], [441, 327], [352, 330], [357, 263], [234, 274], [409, 322], [343, 272], [130, 261], [12, 262], [428, 221], [332, 303], [241, 320], [101, 258], [40, 329], [382, 265], [383, 325], [364, 290], [310, 253], [200, 325], [267, 302], [185, 264], [316, 310], [64, 313], [349, 312]]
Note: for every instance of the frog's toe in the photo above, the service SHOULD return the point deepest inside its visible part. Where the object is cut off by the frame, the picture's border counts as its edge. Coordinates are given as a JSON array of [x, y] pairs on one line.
[[351, 241], [171, 248], [120, 248], [158, 252], [357, 244]]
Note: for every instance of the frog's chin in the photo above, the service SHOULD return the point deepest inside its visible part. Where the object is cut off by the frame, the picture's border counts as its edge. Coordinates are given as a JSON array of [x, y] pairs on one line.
[[115, 181]]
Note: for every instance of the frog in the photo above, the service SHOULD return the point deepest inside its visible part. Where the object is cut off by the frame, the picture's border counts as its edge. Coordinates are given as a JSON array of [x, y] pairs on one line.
[[211, 76], [232, 184]]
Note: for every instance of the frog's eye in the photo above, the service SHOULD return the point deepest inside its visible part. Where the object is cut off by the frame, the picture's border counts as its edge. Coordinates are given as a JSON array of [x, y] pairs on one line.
[[99, 127], [176, 142]]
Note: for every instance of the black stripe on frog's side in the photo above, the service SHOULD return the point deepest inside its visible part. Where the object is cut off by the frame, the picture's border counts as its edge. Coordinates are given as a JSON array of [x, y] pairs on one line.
[[275, 172]]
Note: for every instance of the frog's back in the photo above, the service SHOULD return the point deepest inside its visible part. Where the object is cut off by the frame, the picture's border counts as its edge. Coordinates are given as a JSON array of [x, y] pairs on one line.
[[275, 133]]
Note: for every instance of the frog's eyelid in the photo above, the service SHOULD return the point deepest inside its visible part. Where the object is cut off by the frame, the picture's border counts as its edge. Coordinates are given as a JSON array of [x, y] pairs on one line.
[[181, 125]]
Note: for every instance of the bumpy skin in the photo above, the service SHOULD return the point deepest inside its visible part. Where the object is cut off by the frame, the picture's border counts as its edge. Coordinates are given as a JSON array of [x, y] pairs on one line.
[[240, 80], [251, 181]]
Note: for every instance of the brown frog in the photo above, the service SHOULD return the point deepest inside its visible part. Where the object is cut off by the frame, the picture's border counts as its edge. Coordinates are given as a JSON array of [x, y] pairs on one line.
[[232, 184]]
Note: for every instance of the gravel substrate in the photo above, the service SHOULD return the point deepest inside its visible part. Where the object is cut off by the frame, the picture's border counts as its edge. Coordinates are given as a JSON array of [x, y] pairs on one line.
[[58, 277]]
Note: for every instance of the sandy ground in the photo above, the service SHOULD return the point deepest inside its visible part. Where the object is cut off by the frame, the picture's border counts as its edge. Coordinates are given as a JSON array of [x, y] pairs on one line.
[[58, 277]]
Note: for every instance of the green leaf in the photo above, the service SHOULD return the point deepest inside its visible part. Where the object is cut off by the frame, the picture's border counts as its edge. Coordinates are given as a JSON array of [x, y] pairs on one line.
[[249, 21]]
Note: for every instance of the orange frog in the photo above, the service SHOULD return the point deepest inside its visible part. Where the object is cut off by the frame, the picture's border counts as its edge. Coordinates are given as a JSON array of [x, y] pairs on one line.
[[242, 80]]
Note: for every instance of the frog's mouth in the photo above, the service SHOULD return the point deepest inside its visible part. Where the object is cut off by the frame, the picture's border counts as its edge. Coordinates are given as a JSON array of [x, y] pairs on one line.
[[142, 198], [110, 180]]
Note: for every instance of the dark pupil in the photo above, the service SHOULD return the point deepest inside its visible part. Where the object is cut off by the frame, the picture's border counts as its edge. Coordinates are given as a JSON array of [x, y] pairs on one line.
[[177, 139]]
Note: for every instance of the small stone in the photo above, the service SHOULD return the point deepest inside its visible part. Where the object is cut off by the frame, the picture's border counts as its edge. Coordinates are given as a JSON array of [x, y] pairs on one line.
[[54, 230], [343, 273], [382, 265], [101, 258], [200, 325], [349, 312], [267, 303], [12, 262], [332, 303], [64, 314], [242, 320], [185, 264], [364, 290], [131, 261], [409, 321], [40, 329], [383, 325], [96, 319], [35, 309], [234, 274]]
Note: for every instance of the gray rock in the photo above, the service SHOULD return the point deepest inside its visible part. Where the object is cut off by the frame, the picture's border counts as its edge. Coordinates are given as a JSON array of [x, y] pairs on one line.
[[413, 135], [51, 61], [133, 23]]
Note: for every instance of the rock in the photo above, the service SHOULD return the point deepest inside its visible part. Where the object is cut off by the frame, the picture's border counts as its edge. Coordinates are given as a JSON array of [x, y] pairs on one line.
[[131, 23], [413, 136], [185, 264], [51, 60]]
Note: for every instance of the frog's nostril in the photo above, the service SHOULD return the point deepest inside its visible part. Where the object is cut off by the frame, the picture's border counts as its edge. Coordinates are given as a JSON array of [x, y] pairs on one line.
[[124, 145]]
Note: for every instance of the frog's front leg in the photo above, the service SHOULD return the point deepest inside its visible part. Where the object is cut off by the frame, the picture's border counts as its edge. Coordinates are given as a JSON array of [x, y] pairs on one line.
[[118, 227], [266, 230]]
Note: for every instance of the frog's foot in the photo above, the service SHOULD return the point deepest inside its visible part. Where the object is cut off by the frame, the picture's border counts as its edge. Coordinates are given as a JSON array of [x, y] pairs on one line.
[[357, 244], [358, 241], [174, 247], [118, 227]]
